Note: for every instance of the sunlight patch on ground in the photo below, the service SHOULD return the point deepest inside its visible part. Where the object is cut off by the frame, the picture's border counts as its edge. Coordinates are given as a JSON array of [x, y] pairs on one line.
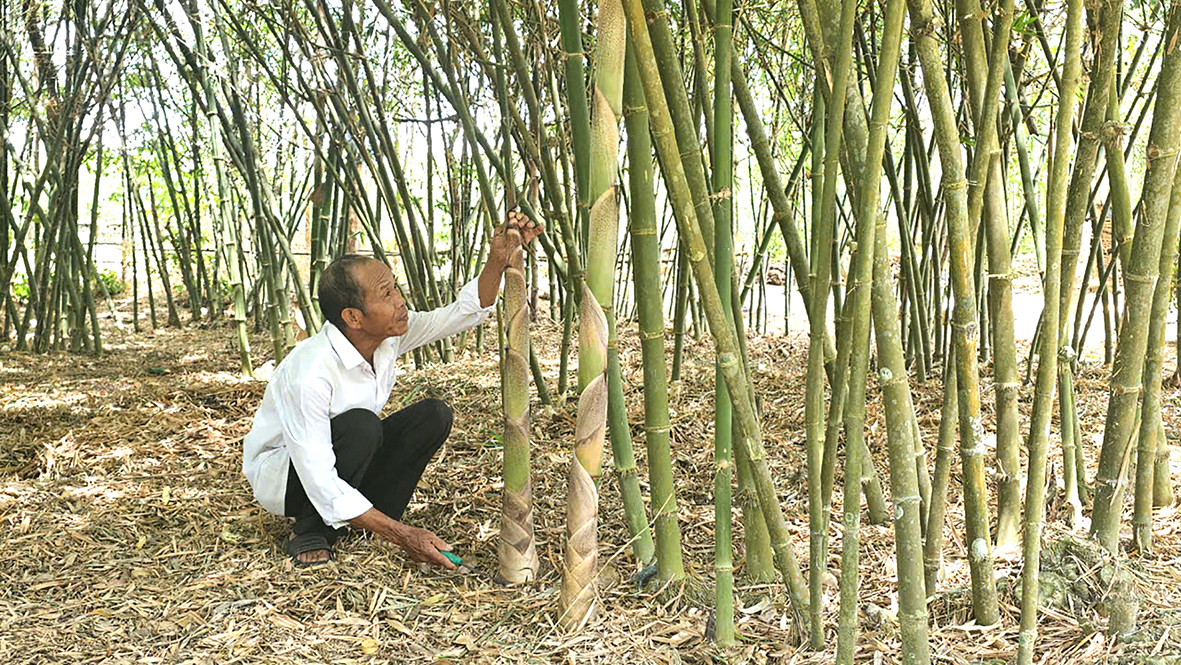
[[222, 378], [195, 356], [106, 491], [52, 400]]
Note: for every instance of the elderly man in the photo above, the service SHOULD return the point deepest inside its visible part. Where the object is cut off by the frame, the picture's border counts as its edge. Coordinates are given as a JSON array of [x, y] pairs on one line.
[[318, 451]]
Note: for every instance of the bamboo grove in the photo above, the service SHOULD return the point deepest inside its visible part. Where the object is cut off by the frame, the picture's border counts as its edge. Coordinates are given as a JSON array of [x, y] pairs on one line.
[[891, 162]]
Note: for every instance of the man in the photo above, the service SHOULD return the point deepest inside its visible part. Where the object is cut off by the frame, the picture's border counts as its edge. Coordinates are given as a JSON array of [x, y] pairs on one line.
[[318, 451]]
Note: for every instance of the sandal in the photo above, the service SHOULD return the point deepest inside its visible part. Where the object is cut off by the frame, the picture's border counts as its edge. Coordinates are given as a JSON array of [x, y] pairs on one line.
[[308, 542]]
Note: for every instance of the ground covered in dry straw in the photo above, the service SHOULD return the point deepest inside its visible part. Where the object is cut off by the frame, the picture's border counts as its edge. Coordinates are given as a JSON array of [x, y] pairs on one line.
[[129, 533]]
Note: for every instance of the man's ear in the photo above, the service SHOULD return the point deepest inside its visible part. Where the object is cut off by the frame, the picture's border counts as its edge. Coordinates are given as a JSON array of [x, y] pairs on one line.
[[351, 316]]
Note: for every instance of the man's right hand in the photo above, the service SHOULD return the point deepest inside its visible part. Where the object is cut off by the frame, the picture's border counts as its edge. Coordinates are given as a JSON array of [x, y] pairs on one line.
[[422, 545], [419, 544]]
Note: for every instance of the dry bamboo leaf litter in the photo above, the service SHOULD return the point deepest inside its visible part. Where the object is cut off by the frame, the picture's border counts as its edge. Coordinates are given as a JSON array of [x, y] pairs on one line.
[[132, 537]]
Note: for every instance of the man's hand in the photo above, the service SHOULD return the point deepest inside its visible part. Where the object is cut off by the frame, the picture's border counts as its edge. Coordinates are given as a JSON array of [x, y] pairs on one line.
[[419, 544], [517, 231], [422, 545]]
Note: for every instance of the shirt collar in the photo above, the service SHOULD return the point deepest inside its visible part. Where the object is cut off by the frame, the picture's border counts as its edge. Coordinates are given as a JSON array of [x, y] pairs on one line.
[[348, 354]]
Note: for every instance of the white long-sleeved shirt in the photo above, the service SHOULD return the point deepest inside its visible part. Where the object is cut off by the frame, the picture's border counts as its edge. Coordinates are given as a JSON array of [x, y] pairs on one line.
[[321, 378]]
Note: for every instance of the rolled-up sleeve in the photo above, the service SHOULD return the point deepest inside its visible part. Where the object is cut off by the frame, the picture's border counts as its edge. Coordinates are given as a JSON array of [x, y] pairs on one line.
[[427, 327], [307, 432]]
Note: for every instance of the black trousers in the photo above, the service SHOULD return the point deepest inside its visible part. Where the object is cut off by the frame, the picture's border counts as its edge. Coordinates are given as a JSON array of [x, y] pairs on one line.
[[383, 459]]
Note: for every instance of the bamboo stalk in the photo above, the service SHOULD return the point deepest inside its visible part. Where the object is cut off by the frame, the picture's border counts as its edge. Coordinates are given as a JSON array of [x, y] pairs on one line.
[[1151, 427], [986, 181], [1141, 273], [723, 181], [727, 348], [822, 239], [984, 598], [1039, 430], [904, 490], [869, 276], [646, 255]]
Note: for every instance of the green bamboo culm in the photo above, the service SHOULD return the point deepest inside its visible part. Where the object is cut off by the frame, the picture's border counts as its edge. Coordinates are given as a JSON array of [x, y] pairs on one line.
[[1043, 404], [933, 530], [759, 563], [646, 257], [850, 554], [1102, 101], [1150, 422], [964, 318], [1163, 493], [904, 488], [571, 31], [869, 275], [985, 79], [724, 337], [624, 455], [517, 550], [858, 307], [892, 376], [723, 180], [822, 239], [1140, 277], [618, 428], [1152, 432], [577, 600]]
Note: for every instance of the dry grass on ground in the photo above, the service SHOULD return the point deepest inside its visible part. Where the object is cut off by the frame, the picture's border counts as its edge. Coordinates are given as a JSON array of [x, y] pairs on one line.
[[129, 533]]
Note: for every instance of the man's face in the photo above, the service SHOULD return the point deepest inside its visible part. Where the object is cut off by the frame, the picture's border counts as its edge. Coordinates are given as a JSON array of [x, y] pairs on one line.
[[385, 313]]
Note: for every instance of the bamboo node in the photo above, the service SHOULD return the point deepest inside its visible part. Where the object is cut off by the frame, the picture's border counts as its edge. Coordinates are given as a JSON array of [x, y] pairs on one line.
[[1066, 355], [720, 195], [658, 430], [632, 110], [1112, 133], [928, 29], [1125, 390], [953, 186], [974, 16], [1143, 279], [898, 510], [1154, 152], [968, 330], [646, 336], [1001, 276]]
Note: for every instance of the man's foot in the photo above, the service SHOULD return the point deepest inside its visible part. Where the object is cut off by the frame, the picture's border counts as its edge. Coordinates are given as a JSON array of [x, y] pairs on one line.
[[309, 549]]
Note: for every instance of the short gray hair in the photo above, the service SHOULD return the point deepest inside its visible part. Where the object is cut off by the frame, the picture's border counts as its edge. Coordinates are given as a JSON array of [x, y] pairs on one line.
[[339, 289]]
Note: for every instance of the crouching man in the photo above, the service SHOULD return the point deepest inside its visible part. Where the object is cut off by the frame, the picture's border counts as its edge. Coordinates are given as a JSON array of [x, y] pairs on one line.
[[318, 450]]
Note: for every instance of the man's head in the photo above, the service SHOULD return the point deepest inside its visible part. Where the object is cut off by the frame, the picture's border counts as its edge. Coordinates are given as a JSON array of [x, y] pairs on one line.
[[359, 294]]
